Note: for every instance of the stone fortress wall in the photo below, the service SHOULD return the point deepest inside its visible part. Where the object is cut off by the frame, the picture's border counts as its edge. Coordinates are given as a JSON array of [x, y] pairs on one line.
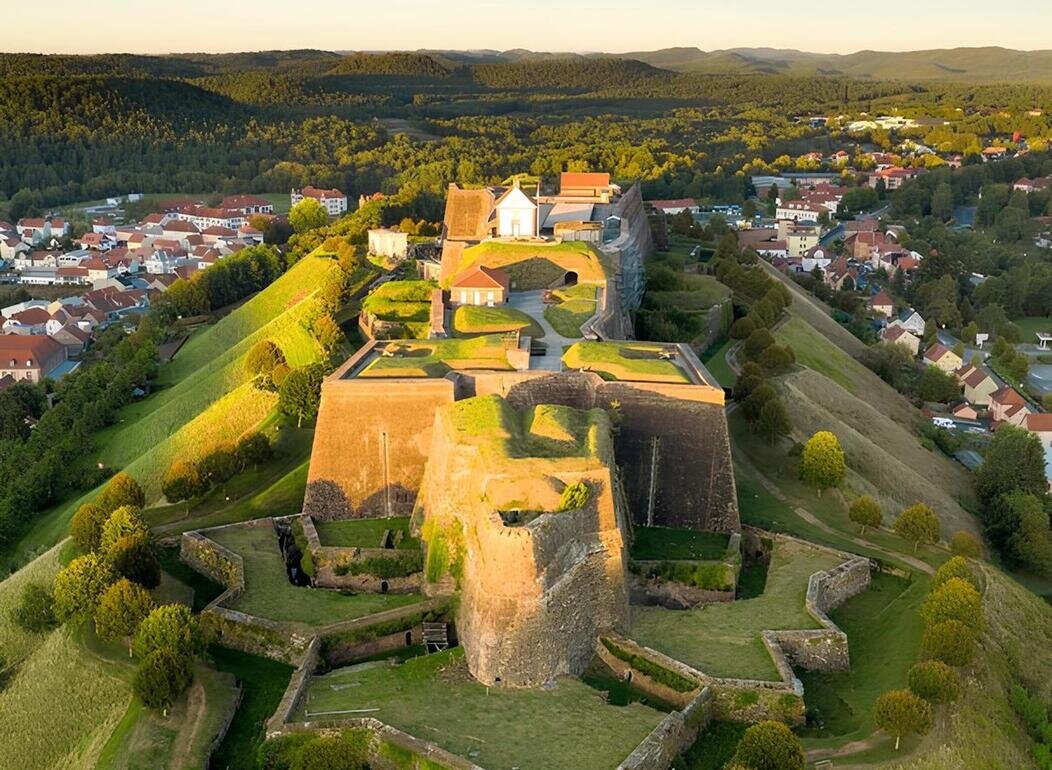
[[533, 597], [627, 253], [373, 437]]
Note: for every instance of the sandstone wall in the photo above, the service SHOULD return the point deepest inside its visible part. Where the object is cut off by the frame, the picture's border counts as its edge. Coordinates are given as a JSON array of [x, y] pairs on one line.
[[370, 446]]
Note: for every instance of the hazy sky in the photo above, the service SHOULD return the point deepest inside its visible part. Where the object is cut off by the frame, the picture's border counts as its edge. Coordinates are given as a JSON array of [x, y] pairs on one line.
[[150, 26]]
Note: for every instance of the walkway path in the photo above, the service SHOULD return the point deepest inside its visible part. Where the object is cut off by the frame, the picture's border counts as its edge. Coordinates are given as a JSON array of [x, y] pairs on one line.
[[532, 304]]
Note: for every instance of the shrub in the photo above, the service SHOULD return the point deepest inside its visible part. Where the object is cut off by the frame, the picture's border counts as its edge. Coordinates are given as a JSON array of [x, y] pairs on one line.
[[822, 461], [120, 491], [770, 745], [966, 544], [35, 611], [954, 567], [900, 712], [934, 681], [79, 586], [86, 526], [122, 607], [133, 557], [162, 677], [918, 524], [956, 599], [865, 511], [574, 496], [126, 520], [172, 627], [950, 641]]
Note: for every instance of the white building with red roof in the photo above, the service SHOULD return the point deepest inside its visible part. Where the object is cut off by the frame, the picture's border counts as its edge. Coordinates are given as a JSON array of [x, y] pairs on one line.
[[480, 285], [333, 201]]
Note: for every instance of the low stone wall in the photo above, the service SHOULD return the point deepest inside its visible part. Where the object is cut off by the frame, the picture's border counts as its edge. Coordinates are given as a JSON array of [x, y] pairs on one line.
[[673, 735], [409, 752], [212, 560], [641, 680], [255, 635], [224, 727], [342, 655], [294, 692]]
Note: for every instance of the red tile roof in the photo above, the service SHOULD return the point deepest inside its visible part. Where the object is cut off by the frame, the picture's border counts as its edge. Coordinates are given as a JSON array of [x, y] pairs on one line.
[[482, 278], [583, 179]]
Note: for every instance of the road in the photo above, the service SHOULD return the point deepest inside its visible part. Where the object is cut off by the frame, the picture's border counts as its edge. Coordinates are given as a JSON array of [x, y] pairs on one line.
[[532, 304]]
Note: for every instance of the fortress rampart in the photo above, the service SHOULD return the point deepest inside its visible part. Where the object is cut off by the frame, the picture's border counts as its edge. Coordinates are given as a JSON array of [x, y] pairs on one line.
[[671, 441]]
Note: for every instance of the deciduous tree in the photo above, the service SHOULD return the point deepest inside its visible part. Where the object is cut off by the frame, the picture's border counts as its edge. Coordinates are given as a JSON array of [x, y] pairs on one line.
[[86, 526], [770, 745], [126, 520], [918, 524], [134, 557], [900, 712], [956, 599], [170, 626], [966, 544], [122, 607], [306, 215], [865, 511], [79, 585], [163, 676], [822, 462], [35, 610], [121, 490], [934, 681], [950, 641]]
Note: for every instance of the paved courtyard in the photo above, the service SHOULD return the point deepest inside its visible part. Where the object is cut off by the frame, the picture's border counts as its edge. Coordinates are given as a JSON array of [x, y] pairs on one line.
[[532, 304]]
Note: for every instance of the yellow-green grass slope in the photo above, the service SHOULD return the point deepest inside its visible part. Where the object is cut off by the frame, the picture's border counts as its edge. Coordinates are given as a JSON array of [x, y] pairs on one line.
[[436, 358], [535, 265], [575, 305], [630, 361], [68, 702], [874, 423], [471, 320]]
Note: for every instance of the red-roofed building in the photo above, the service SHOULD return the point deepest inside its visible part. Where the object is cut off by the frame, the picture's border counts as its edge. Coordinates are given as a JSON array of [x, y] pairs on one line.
[[247, 204], [677, 206], [29, 358], [882, 304], [978, 385], [333, 201], [480, 286], [587, 186], [1006, 405], [943, 358], [899, 335], [1041, 424]]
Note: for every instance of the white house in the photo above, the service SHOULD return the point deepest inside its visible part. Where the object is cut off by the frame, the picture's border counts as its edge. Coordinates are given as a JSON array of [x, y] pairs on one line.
[[800, 211], [516, 214], [910, 320], [333, 201]]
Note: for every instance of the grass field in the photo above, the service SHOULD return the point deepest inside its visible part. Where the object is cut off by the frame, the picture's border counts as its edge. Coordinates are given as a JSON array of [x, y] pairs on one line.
[[435, 698], [637, 361], [716, 362], [723, 640], [576, 304], [435, 358], [402, 301], [537, 265], [816, 352], [665, 543], [1031, 325], [365, 533], [16, 644], [268, 593], [470, 320], [884, 631], [264, 682]]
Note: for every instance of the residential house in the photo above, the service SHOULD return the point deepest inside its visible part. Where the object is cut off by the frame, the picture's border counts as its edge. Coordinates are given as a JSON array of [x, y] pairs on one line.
[[1033, 185], [893, 177], [1007, 406], [73, 338], [247, 204], [910, 320], [965, 411], [42, 230], [333, 201], [800, 211], [899, 335], [29, 358], [978, 385], [11, 247], [995, 153], [881, 304], [941, 357], [1041, 424], [677, 206], [480, 285], [32, 320]]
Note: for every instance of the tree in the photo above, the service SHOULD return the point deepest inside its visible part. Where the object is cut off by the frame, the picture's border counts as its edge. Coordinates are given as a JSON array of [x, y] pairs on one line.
[[937, 386], [306, 215], [121, 490], [865, 511], [219, 466], [950, 641], [182, 482], [757, 342], [79, 585], [253, 450], [742, 328], [162, 677], [1030, 544], [776, 359], [170, 626], [35, 611], [134, 557], [300, 393], [261, 362], [1013, 460], [942, 202], [86, 526], [918, 524], [754, 404], [956, 599], [773, 423], [954, 567], [822, 462], [770, 745], [934, 681], [328, 333], [966, 544], [900, 712], [122, 607], [126, 520]]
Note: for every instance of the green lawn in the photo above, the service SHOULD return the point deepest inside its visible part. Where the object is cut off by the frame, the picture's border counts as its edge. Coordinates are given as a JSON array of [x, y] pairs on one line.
[[434, 358], [715, 361], [537, 265], [264, 682], [624, 361], [477, 319], [816, 352], [723, 640], [1031, 325], [884, 631], [434, 697], [364, 533], [268, 593], [664, 543]]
